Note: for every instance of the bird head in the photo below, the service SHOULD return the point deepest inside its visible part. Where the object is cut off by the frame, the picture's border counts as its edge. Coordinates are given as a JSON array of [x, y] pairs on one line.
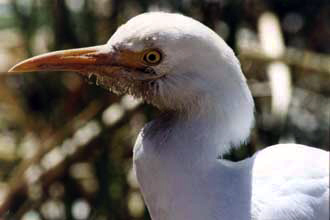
[[171, 61]]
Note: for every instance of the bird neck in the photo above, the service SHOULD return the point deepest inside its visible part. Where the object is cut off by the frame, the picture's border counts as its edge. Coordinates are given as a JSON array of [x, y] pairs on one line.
[[202, 134], [175, 160], [214, 109], [194, 138], [219, 123]]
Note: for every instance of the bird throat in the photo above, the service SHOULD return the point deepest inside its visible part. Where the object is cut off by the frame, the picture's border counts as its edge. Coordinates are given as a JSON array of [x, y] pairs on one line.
[[122, 84]]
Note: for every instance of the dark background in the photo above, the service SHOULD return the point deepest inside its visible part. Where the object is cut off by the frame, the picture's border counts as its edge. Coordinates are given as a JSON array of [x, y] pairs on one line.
[[66, 146]]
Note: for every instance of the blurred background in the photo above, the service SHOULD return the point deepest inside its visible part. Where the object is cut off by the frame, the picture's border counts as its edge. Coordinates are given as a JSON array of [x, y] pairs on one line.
[[66, 146]]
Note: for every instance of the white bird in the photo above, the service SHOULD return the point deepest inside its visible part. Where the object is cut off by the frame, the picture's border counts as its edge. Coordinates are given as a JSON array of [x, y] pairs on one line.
[[186, 70]]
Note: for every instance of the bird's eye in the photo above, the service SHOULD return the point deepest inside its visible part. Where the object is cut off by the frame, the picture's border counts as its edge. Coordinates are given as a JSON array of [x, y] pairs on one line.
[[152, 57]]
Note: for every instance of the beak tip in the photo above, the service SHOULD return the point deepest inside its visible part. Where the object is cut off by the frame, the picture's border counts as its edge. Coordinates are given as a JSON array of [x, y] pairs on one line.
[[20, 68], [12, 70]]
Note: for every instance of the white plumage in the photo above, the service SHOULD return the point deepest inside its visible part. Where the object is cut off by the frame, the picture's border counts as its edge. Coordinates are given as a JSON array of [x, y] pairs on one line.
[[208, 109], [175, 156]]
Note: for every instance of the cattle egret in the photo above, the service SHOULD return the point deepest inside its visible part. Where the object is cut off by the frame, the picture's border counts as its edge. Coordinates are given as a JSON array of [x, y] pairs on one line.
[[187, 71]]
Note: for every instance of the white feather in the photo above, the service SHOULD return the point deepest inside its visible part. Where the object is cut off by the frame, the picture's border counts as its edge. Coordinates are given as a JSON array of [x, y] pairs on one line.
[[209, 109]]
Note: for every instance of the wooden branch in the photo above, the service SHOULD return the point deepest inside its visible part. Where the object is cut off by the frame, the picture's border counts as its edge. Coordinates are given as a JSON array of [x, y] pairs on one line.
[[45, 179], [17, 183], [303, 59]]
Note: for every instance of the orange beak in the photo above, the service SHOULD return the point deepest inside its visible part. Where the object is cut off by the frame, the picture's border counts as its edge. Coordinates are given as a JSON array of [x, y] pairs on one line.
[[99, 59], [78, 60]]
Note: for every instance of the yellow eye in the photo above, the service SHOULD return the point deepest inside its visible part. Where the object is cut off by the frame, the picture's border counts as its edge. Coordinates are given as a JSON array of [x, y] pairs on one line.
[[152, 57]]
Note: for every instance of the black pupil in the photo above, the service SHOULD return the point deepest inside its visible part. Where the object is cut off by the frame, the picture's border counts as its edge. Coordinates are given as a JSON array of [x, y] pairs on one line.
[[152, 57]]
